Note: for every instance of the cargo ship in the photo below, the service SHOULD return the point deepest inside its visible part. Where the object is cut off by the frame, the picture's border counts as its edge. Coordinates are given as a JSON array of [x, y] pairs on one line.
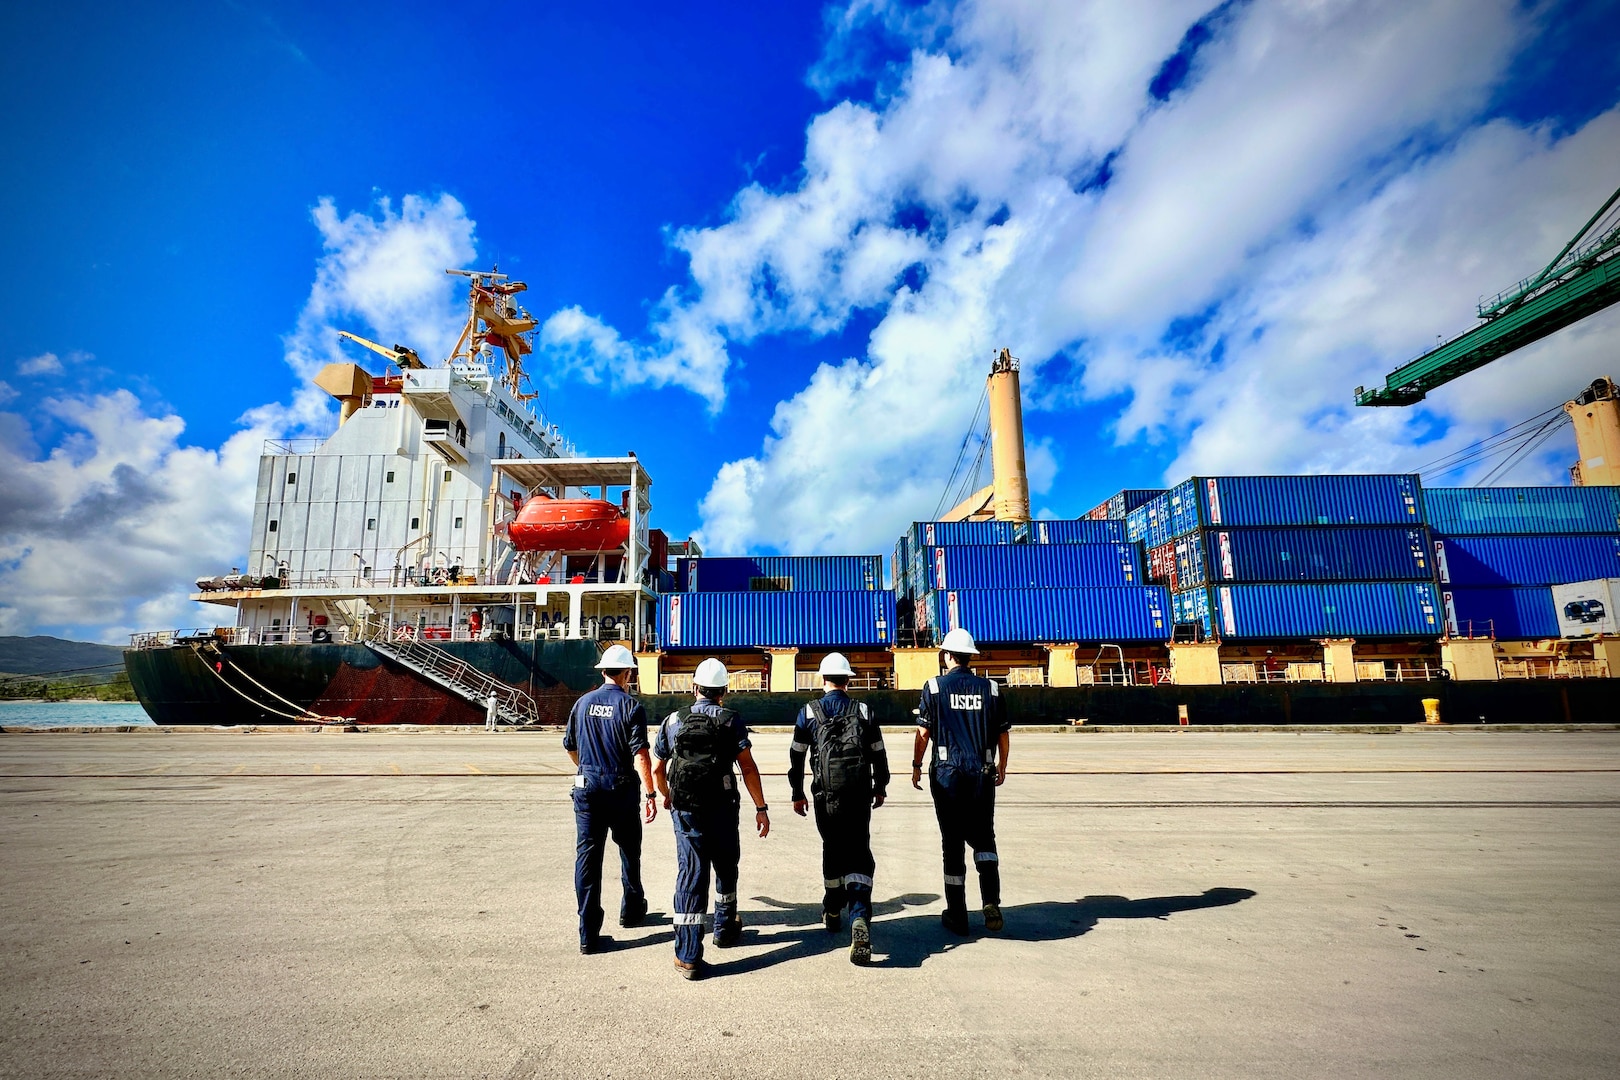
[[447, 557]]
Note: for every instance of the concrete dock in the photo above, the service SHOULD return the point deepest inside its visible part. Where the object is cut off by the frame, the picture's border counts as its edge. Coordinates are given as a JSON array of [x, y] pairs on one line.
[[1179, 904]]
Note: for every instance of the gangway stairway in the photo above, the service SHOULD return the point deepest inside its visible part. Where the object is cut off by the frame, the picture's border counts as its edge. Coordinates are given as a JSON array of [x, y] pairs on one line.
[[512, 706]]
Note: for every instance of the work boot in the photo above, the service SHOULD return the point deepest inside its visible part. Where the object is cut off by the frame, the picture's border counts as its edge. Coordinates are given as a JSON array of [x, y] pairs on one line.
[[689, 972], [592, 945], [860, 942], [992, 917], [954, 921], [831, 920], [632, 912], [728, 933]]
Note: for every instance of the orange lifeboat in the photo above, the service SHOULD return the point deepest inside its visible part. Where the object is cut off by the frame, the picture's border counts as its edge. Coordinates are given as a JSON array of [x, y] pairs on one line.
[[547, 524]]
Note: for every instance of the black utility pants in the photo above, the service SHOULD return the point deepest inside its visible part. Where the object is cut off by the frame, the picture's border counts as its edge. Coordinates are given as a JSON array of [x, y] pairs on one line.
[[965, 805], [846, 855]]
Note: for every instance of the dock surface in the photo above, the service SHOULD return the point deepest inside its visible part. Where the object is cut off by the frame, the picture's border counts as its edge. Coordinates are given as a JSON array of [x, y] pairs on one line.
[[1186, 904]]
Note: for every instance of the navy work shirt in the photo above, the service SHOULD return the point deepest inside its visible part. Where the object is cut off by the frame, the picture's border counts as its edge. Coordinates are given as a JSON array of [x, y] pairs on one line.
[[833, 703], [606, 728], [664, 745], [965, 717]]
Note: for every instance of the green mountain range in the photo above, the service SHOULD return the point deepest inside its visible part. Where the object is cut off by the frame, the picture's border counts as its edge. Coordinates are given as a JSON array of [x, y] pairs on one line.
[[41, 655]]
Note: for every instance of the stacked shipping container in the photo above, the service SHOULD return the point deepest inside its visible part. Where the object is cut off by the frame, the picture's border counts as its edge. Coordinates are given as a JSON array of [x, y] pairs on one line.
[[1280, 557], [778, 601], [1498, 551], [1027, 582]]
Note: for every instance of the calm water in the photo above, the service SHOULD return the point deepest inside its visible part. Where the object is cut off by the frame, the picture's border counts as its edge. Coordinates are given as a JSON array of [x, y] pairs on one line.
[[71, 713]]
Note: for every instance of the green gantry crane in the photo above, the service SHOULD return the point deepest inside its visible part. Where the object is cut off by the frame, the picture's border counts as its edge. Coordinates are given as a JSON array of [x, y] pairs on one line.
[[1582, 280]]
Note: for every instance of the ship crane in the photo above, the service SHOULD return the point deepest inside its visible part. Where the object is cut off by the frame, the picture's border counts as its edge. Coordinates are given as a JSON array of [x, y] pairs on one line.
[[1584, 278], [399, 355], [1006, 497], [1581, 280]]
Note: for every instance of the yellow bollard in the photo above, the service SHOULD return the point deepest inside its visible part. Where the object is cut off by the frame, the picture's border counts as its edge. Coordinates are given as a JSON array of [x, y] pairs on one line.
[[1431, 710]]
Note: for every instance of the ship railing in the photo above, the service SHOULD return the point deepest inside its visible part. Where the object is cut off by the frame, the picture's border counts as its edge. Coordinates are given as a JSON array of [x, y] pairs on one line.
[[1552, 667], [292, 447], [243, 635], [471, 682]]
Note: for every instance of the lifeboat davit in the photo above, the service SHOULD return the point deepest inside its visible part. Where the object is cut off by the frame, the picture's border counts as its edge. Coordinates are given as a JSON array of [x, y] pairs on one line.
[[547, 524]]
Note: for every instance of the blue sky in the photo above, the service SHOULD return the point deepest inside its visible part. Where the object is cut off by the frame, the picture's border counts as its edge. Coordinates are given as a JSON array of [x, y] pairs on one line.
[[776, 244]]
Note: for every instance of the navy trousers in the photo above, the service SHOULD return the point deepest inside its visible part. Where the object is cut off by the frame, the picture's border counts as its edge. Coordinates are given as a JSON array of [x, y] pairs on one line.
[[705, 842], [596, 814], [965, 805], [846, 857]]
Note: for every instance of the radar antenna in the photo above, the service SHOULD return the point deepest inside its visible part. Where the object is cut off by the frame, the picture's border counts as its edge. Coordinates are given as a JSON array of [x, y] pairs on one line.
[[495, 321]]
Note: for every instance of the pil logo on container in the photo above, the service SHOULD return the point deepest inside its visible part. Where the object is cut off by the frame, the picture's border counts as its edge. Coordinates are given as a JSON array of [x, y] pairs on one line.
[[675, 619]]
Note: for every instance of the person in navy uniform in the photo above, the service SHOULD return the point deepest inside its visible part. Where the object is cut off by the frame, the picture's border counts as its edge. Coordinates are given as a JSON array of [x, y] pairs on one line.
[[849, 778], [963, 716], [696, 748], [606, 738]]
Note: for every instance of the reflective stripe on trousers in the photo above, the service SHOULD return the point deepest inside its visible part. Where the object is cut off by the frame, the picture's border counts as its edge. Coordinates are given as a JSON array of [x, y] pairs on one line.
[[965, 806], [846, 857], [705, 842]]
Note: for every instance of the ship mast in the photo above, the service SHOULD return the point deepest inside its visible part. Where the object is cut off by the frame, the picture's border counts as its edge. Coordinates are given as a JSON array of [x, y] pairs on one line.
[[495, 321]]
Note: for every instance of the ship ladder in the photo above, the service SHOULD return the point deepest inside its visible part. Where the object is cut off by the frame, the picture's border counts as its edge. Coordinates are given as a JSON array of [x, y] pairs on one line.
[[215, 658], [512, 706]]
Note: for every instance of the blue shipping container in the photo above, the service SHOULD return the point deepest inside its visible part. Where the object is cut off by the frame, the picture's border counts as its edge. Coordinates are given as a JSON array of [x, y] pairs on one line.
[[1066, 531], [1525, 560], [1496, 510], [1026, 616], [1302, 554], [1369, 609], [1370, 499], [781, 573], [1504, 613], [1150, 523], [900, 568], [1077, 531], [1121, 503], [751, 620], [1031, 566]]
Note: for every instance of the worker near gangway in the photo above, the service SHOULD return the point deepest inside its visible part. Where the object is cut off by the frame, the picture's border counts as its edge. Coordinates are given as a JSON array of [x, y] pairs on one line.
[[606, 738], [696, 749], [849, 776], [963, 716]]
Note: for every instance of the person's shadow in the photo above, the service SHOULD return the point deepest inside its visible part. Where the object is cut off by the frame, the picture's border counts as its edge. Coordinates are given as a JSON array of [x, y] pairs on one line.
[[807, 938], [908, 941]]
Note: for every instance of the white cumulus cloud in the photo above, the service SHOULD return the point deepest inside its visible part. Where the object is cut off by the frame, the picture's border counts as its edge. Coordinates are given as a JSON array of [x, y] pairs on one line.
[[1217, 262], [103, 533], [47, 363]]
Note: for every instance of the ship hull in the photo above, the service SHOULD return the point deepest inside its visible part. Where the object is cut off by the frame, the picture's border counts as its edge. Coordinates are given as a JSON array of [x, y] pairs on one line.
[[177, 687]]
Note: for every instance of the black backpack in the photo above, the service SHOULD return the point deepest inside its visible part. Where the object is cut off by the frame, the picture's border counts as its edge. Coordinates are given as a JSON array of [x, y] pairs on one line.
[[705, 748], [841, 758]]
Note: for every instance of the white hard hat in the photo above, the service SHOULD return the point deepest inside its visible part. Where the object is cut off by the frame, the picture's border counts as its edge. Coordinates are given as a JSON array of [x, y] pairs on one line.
[[836, 664], [616, 657], [711, 674], [959, 641]]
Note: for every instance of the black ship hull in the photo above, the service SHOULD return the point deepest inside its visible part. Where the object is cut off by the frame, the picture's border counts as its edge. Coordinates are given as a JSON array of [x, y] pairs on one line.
[[179, 686], [176, 686]]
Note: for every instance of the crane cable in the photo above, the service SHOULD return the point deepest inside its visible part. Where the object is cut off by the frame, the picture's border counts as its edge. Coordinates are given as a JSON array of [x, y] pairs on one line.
[[1509, 440], [1541, 435], [961, 453]]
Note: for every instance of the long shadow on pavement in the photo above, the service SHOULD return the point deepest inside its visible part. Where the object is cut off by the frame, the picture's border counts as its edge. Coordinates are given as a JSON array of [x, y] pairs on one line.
[[908, 941]]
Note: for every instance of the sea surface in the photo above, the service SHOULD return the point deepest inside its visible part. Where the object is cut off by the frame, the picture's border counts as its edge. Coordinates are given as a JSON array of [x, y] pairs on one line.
[[72, 714]]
